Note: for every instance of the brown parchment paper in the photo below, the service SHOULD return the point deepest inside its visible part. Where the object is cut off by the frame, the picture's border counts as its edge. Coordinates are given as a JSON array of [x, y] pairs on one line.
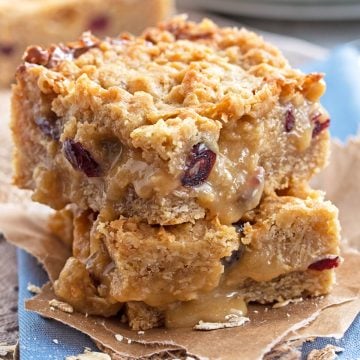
[[24, 224]]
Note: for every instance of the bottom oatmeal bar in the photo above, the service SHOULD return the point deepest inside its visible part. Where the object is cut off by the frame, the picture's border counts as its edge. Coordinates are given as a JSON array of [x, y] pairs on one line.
[[287, 247]]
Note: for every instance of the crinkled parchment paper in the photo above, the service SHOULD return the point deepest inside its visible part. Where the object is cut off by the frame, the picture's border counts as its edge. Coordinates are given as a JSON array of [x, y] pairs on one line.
[[24, 224]]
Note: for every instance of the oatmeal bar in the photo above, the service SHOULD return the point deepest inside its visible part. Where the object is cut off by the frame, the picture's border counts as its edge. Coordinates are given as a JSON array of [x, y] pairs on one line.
[[185, 122], [286, 248], [43, 22]]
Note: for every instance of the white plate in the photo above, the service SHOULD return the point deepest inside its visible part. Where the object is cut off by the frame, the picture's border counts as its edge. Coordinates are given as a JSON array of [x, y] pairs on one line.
[[297, 51], [282, 9]]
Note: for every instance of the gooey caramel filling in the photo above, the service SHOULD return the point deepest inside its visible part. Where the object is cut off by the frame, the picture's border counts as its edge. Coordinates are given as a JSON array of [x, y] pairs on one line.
[[215, 307]]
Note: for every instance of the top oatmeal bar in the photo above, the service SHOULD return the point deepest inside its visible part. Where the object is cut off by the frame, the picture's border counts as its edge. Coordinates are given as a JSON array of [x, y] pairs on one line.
[[183, 122]]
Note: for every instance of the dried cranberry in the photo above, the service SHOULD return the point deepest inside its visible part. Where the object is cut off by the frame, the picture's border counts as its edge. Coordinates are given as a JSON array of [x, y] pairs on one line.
[[7, 49], [80, 158], [234, 257], [198, 165], [36, 55], [239, 226], [289, 119], [325, 264], [99, 23], [49, 127], [320, 126]]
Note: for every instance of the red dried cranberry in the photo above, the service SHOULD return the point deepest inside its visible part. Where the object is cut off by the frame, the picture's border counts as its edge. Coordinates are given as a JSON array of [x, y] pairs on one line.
[[198, 165], [80, 158], [7, 49], [36, 55], [239, 226], [49, 127], [325, 264], [99, 23], [289, 119], [234, 257], [320, 126]]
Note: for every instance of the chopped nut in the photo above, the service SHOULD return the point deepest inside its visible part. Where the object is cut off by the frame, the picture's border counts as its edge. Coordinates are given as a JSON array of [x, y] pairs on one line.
[[36, 55], [233, 320], [60, 305], [33, 288]]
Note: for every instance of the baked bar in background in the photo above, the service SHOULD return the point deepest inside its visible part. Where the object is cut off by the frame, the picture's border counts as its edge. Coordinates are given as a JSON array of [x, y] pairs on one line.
[[44, 22]]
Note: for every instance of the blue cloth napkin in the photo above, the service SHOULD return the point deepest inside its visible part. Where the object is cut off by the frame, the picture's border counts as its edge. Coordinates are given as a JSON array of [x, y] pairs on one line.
[[342, 99]]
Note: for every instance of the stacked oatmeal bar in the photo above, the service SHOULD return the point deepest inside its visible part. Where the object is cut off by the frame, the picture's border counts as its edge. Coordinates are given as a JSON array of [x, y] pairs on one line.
[[178, 162]]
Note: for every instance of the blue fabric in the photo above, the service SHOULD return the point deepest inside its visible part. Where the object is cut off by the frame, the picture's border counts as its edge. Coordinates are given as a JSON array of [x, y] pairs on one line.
[[342, 100], [342, 97], [36, 333]]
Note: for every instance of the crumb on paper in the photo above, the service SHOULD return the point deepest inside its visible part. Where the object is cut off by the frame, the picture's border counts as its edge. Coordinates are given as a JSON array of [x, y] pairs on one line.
[[286, 350], [33, 288], [89, 355], [232, 320], [7, 349], [141, 332], [119, 337], [287, 302], [327, 353], [55, 341], [60, 305]]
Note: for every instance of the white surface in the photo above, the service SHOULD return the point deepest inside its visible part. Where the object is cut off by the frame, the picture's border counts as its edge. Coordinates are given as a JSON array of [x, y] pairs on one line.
[[281, 9]]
